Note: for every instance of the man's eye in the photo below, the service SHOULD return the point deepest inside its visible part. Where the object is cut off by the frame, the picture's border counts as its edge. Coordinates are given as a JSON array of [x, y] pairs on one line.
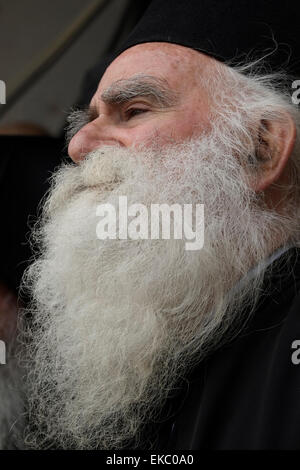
[[132, 112]]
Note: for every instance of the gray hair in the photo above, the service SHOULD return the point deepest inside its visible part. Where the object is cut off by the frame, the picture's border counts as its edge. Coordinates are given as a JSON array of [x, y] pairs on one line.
[[242, 97]]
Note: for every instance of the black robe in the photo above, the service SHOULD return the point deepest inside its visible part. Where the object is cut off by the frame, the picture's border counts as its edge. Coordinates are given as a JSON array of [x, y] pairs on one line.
[[246, 394]]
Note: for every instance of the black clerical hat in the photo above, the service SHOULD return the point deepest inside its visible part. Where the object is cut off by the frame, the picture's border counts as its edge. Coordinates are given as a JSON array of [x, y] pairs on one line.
[[229, 30]]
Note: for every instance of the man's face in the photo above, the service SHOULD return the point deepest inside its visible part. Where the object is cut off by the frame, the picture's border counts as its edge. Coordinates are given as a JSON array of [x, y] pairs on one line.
[[151, 91]]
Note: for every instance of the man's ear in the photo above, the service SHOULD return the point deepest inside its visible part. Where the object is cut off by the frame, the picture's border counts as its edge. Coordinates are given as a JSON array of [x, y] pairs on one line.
[[276, 139]]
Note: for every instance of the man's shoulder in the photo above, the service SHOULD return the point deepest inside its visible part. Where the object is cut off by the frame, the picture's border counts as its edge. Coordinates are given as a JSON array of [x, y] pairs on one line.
[[279, 300], [246, 394]]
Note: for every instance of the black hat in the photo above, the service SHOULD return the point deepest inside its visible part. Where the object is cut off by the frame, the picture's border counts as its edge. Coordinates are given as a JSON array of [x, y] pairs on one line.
[[228, 30]]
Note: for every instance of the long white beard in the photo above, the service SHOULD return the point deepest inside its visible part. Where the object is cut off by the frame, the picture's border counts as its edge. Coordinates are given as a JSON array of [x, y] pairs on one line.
[[116, 322]]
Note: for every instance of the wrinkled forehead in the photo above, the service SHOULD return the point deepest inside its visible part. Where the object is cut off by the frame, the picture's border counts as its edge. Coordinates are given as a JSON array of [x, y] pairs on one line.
[[177, 65]]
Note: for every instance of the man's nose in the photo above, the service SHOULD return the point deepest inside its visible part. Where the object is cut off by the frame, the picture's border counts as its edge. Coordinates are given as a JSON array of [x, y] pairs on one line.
[[92, 136]]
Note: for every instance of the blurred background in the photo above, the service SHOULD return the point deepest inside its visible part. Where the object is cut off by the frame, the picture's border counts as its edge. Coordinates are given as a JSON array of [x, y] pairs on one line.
[[52, 56], [48, 47]]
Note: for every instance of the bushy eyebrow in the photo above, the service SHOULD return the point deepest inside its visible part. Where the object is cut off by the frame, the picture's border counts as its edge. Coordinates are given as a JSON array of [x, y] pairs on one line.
[[155, 88], [77, 119]]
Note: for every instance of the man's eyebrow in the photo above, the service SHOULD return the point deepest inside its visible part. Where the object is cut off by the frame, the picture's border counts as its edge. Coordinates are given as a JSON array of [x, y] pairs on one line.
[[157, 89]]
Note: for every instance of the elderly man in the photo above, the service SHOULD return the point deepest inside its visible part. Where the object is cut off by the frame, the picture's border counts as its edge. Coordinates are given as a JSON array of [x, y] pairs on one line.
[[139, 342]]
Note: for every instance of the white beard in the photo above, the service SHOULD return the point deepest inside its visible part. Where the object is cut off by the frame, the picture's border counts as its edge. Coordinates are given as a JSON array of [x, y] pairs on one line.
[[116, 322]]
